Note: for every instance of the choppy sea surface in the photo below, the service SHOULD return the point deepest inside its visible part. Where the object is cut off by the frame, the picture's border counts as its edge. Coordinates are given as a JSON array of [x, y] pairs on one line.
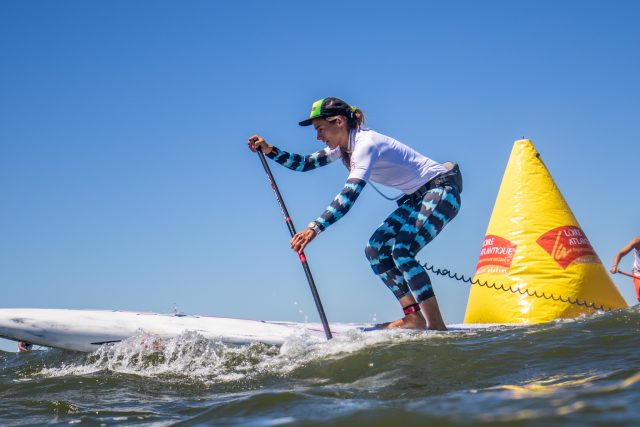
[[577, 372]]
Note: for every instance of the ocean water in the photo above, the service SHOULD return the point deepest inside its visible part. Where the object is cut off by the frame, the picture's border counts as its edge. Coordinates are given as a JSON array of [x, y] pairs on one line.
[[578, 372]]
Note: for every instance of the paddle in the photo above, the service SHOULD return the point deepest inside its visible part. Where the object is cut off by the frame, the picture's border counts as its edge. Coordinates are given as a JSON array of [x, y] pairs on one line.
[[303, 259], [636, 282], [629, 274]]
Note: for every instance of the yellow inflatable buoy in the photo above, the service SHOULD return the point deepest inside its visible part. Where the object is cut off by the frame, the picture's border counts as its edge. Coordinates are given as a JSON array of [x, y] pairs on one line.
[[536, 254]]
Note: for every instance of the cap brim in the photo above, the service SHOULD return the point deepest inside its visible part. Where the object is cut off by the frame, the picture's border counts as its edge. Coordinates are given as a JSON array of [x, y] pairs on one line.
[[329, 112], [307, 122]]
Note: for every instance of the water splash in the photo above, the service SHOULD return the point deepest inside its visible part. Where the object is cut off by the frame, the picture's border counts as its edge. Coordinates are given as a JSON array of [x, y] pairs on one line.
[[192, 357]]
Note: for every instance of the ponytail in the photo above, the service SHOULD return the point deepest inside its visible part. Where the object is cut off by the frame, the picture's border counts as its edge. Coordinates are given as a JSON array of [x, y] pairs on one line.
[[356, 120]]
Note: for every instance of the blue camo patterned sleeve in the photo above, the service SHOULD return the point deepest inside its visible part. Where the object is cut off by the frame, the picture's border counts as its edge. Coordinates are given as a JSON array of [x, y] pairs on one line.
[[298, 162], [341, 203]]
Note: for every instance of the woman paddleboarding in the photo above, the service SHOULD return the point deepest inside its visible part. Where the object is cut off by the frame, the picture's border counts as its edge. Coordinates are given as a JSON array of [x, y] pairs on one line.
[[633, 245], [431, 200]]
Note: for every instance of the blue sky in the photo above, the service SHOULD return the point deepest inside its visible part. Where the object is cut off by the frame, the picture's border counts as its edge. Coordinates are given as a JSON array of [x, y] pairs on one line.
[[126, 182]]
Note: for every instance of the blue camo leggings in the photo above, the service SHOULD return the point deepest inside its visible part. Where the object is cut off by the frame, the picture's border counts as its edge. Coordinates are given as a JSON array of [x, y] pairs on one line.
[[394, 245]]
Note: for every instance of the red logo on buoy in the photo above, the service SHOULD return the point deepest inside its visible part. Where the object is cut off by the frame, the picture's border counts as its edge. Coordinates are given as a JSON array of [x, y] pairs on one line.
[[568, 244], [496, 255]]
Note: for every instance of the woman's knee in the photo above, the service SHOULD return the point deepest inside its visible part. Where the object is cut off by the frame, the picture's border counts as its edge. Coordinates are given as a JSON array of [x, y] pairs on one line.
[[370, 252]]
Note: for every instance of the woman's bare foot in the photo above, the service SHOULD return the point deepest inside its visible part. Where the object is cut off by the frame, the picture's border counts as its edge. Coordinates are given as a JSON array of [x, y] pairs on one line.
[[410, 321]]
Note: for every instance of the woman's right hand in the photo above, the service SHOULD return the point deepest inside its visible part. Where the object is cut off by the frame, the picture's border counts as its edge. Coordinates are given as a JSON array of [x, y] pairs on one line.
[[256, 141]]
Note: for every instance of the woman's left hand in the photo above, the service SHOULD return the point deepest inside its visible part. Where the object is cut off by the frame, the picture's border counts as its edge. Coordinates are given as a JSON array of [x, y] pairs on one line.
[[301, 240]]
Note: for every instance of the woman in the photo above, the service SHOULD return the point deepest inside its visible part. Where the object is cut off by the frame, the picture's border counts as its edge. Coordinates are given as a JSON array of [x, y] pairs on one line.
[[633, 245], [431, 199]]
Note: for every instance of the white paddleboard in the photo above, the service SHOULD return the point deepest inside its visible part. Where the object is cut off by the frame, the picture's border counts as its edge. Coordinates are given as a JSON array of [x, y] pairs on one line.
[[86, 330]]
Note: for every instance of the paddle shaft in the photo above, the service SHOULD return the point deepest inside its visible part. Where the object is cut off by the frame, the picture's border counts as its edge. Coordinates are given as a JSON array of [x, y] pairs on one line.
[[629, 274], [303, 258]]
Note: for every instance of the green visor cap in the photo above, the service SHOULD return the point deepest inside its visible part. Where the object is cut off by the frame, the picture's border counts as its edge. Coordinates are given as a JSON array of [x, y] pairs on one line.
[[327, 107]]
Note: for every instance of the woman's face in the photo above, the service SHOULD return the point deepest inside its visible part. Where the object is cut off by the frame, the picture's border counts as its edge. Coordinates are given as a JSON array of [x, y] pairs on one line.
[[332, 132]]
